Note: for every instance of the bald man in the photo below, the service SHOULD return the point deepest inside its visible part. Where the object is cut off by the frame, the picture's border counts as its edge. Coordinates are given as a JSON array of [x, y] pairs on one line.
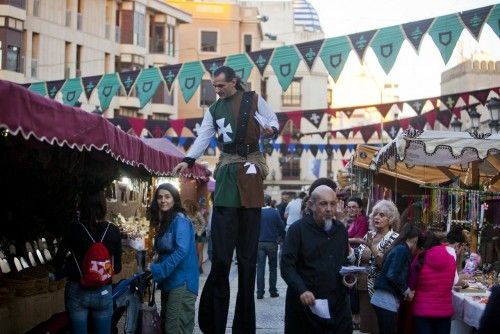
[[315, 249]]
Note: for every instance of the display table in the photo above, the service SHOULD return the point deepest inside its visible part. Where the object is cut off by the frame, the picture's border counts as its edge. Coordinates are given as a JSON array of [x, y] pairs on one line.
[[467, 311]]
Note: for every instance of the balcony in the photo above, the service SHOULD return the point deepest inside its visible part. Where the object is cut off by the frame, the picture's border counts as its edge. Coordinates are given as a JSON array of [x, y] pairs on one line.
[[68, 18], [34, 68]]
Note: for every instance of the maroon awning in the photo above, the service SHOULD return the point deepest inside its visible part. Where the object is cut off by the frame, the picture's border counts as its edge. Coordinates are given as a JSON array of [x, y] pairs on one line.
[[33, 116]]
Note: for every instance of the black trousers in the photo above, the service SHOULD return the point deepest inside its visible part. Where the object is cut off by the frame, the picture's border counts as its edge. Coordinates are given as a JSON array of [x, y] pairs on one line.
[[387, 320], [240, 228]]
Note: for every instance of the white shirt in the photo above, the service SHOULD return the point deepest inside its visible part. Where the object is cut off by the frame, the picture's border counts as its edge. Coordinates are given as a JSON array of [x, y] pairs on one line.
[[207, 129], [293, 212], [453, 253]]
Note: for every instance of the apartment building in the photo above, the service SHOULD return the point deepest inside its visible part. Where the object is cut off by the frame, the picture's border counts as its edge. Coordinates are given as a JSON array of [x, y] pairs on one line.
[[42, 40]]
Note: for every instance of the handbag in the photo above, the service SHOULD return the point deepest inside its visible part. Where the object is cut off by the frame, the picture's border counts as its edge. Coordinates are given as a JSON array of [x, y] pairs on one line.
[[149, 321]]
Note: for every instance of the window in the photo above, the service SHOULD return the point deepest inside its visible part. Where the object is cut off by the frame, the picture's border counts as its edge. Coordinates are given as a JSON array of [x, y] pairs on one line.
[[290, 167], [157, 38], [209, 41], [292, 97], [171, 40], [163, 96], [78, 60], [139, 33], [13, 57], [126, 112], [35, 47], [207, 93], [159, 116], [247, 40]]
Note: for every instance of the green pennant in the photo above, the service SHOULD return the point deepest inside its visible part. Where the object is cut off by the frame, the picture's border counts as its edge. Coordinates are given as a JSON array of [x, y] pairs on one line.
[[386, 46], [39, 88], [190, 78], [445, 33], [71, 91], [107, 88], [285, 62], [494, 20], [241, 65], [334, 55], [146, 85]]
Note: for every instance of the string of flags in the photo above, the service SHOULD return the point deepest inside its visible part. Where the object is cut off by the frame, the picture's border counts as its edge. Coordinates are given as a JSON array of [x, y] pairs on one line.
[[386, 43]]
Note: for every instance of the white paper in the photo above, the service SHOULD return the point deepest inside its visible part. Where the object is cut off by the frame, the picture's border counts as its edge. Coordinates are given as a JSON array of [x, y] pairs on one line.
[[352, 270], [251, 168], [320, 308], [261, 120]]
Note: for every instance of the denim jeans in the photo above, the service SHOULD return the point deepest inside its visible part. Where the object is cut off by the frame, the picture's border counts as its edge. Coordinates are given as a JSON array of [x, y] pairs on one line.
[[81, 301], [269, 250], [132, 302]]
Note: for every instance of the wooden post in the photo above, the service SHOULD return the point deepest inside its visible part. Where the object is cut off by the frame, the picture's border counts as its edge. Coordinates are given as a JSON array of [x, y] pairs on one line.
[[474, 172]]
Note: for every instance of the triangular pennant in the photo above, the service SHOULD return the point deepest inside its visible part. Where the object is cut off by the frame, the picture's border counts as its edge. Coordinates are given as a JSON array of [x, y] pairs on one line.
[[417, 105], [465, 97], [367, 132], [71, 91], [169, 74], [333, 134], [261, 59], [287, 138], [481, 95], [323, 134], [329, 150], [39, 88], [445, 33], [177, 125], [107, 89], [146, 85], [321, 148], [343, 149], [213, 143], [450, 101], [392, 128], [89, 84], [182, 140], [404, 123], [415, 32], [174, 140], [282, 119], [285, 62], [291, 148], [193, 124], [188, 142], [383, 109], [137, 125], [348, 112], [190, 78], [418, 122], [121, 122], [309, 51], [314, 149], [361, 41], [128, 79], [283, 148], [336, 147], [430, 118], [351, 148], [434, 102], [54, 86], [334, 55], [345, 133], [494, 20], [444, 117], [306, 147], [241, 65], [212, 64], [457, 112], [157, 128], [314, 117], [386, 46], [474, 20]]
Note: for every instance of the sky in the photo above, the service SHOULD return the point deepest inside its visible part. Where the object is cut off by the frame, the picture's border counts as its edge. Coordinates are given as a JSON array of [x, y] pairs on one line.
[[418, 75]]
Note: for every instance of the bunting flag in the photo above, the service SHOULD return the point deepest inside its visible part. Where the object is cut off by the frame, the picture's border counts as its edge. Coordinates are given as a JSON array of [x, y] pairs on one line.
[[309, 51], [329, 150], [128, 79], [122, 123], [348, 112], [474, 20], [450, 101], [418, 122], [282, 120], [71, 92], [39, 88], [190, 78], [361, 41], [284, 63], [299, 149], [193, 124], [415, 32], [494, 20], [178, 125], [295, 117], [334, 55], [187, 144], [430, 118], [383, 109], [444, 117], [417, 105], [367, 133], [213, 64], [314, 117], [157, 128], [345, 133], [53, 87], [392, 128], [315, 166], [146, 85], [107, 88], [481, 95], [445, 33], [313, 149], [268, 148], [343, 149], [137, 125], [386, 46], [169, 74], [261, 58], [89, 84], [241, 65]]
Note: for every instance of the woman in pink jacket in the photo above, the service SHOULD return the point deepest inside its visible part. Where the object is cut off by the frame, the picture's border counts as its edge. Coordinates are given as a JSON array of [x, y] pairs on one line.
[[431, 277]]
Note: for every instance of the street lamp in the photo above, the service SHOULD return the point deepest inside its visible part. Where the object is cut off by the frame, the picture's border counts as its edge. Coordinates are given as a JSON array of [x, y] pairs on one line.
[[494, 108], [474, 116], [456, 124]]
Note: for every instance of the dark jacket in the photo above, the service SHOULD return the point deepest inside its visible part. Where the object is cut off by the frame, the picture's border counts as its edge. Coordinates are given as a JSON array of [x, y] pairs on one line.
[[78, 242], [272, 227], [394, 275], [311, 260], [490, 321]]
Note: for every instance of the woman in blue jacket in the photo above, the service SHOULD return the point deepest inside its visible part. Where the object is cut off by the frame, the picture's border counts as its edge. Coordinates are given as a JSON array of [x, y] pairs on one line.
[[176, 269], [391, 286]]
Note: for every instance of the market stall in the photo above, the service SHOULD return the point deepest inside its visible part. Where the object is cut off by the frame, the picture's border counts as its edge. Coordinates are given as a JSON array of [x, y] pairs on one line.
[[50, 153]]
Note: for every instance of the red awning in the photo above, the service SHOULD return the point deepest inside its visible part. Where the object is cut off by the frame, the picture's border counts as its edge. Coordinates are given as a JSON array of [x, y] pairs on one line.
[[33, 116]]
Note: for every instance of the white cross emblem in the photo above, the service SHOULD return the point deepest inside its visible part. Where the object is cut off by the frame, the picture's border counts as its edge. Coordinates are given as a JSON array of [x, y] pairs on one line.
[[417, 105], [224, 130], [393, 132], [450, 102], [196, 128], [315, 118]]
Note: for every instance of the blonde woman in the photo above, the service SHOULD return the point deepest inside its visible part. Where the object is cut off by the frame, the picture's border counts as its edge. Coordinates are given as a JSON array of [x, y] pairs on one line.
[[200, 226]]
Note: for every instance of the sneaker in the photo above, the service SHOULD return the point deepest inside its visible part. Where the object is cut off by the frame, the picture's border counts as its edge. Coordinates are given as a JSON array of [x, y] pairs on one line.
[[274, 294], [260, 296]]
